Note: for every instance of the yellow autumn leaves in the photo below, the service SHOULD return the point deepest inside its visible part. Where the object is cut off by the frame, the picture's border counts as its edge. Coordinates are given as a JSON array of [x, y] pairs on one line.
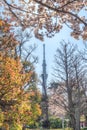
[[4, 26], [16, 101]]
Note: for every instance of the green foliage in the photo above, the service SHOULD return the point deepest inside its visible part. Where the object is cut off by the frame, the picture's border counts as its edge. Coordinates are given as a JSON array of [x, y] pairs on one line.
[[55, 123], [15, 126], [35, 98], [1, 117], [84, 128]]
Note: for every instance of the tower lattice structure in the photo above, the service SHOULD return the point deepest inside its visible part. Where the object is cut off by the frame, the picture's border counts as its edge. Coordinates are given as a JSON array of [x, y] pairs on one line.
[[44, 93]]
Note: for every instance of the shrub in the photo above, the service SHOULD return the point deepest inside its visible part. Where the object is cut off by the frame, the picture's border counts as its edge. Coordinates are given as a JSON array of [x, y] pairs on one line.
[[84, 128], [55, 123]]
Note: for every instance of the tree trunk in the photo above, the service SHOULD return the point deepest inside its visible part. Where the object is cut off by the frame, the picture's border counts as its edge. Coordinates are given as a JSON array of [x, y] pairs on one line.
[[77, 116], [72, 122], [23, 128], [86, 120], [72, 115], [72, 111]]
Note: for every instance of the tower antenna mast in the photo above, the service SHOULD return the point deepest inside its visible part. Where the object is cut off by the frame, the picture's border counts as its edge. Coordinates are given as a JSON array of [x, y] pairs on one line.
[[44, 93]]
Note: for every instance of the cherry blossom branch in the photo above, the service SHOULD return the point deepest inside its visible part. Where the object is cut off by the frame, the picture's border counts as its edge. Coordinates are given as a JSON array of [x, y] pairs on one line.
[[61, 11], [11, 6]]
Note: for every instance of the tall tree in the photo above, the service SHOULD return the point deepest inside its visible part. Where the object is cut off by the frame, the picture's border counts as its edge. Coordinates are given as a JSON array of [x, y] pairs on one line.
[[84, 57], [69, 72], [48, 15], [15, 101]]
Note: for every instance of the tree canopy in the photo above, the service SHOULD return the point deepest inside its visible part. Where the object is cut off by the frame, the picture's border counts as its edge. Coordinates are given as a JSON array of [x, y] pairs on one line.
[[47, 17], [16, 104], [68, 91]]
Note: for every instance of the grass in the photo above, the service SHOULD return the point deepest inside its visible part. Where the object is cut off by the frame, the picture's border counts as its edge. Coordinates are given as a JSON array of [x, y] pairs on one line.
[[54, 129], [51, 129]]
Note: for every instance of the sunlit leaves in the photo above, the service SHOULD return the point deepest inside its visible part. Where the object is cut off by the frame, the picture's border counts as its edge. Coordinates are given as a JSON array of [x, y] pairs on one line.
[[4, 26], [1, 117], [15, 101], [35, 98]]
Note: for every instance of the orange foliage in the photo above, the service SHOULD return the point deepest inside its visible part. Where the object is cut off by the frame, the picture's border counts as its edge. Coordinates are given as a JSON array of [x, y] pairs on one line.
[[4, 26], [7, 40], [14, 100], [11, 79]]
